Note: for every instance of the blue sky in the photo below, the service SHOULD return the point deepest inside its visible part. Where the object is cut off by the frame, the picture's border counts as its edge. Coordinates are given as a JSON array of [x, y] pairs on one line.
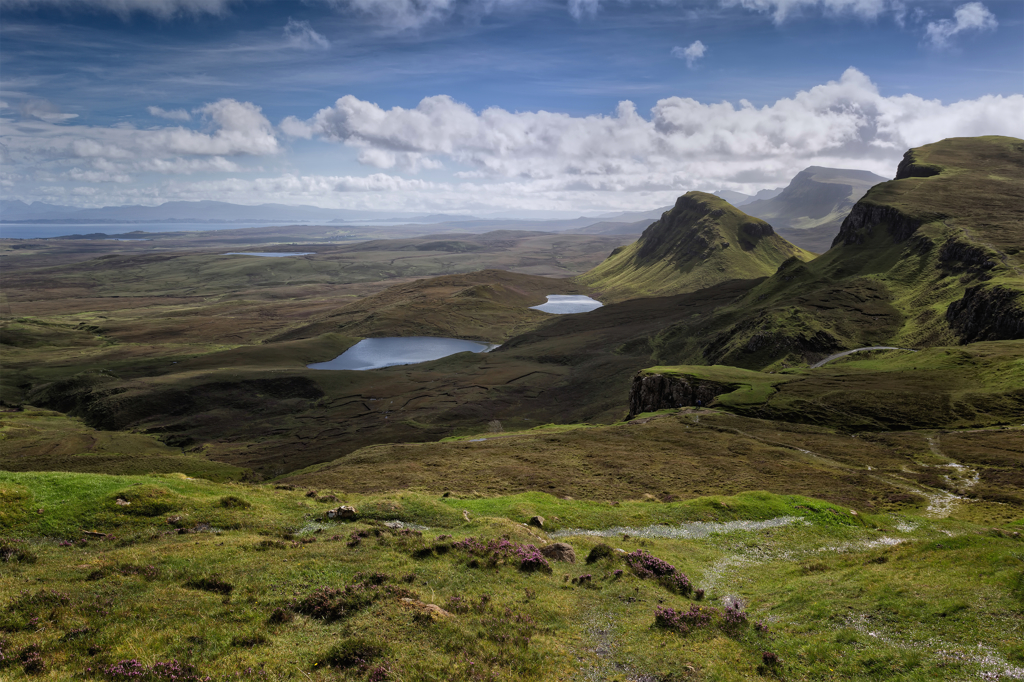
[[485, 105]]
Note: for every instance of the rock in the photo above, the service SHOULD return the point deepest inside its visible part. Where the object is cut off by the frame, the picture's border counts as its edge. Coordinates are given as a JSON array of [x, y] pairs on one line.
[[121, 503], [659, 392], [537, 521], [465, 514], [559, 551], [432, 612], [346, 513], [987, 313]]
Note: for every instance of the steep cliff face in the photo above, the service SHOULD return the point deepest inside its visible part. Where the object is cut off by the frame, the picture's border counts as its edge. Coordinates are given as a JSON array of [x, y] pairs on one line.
[[653, 392], [987, 314], [865, 218]]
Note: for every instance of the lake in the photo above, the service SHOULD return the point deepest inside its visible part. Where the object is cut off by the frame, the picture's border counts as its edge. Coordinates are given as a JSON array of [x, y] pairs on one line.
[[400, 350], [568, 305], [270, 254]]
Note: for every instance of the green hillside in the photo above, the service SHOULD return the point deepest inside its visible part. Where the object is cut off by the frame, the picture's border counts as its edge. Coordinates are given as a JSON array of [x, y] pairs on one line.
[[701, 242], [932, 257]]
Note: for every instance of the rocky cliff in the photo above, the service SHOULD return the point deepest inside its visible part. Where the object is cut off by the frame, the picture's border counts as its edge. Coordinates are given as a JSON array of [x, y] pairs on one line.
[[653, 392]]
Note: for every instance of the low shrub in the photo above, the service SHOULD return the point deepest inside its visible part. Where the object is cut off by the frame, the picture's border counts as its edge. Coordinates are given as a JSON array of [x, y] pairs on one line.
[[601, 551], [211, 583], [234, 502], [352, 653], [15, 550], [249, 641], [133, 670]]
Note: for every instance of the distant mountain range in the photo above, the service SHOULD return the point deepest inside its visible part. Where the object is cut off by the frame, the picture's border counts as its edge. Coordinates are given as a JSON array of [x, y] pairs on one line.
[[740, 199], [810, 210], [180, 211]]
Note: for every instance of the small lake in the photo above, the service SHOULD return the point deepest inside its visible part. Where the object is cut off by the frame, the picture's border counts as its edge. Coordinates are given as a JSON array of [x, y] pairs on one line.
[[400, 350], [568, 305], [270, 254]]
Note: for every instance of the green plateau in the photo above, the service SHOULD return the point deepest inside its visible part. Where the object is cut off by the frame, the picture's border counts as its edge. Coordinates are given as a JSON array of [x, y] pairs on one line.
[[752, 462]]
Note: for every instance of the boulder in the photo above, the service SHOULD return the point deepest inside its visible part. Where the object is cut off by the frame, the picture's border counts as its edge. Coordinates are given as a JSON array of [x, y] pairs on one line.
[[537, 521], [347, 513], [428, 611], [559, 551]]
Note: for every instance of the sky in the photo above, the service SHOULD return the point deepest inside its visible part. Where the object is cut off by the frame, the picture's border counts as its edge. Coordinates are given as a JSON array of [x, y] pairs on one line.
[[485, 106]]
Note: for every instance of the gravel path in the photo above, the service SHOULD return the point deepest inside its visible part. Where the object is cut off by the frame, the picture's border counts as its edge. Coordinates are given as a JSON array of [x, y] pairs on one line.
[[857, 350]]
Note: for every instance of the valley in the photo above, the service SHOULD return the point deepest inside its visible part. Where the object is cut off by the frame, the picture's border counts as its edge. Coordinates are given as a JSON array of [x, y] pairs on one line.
[[167, 449]]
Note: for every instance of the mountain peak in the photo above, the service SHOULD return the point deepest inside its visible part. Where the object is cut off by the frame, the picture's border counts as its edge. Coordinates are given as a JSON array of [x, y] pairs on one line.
[[702, 241]]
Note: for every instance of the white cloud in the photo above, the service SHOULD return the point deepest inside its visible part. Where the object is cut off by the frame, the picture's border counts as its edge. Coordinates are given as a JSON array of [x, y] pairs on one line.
[[164, 9], [174, 115], [972, 16], [691, 53], [683, 141], [112, 154], [44, 110], [783, 9], [301, 35], [96, 176], [404, 15]]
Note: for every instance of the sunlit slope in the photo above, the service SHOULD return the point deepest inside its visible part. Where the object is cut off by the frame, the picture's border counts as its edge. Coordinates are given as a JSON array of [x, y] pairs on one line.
[[811, 209], [929, 258], [701, 242]]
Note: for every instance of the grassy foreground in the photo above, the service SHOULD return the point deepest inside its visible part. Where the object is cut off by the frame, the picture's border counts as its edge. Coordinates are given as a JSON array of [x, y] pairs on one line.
[[199, 580]]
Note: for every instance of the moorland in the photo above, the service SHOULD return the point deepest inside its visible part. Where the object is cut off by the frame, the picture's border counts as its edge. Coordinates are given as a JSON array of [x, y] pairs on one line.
[[682, 484]]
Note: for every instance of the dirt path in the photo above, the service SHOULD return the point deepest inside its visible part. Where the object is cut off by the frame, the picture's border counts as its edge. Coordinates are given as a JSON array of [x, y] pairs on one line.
[[830, 358]]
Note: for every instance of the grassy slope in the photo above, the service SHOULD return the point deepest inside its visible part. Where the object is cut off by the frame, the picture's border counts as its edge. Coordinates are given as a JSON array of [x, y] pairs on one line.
[[960, 387], [841, 596], [42, 440], [701, 242], [879, 286]]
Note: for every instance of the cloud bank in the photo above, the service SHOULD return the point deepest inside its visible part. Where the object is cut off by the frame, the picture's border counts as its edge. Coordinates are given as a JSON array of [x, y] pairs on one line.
[[499, 158], [846, 120]]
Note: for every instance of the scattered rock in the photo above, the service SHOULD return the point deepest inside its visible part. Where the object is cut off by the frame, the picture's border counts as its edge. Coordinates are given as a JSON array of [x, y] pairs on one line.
[[430, 611], [342, 513], [119, 502], [559, 551], [537, 521]]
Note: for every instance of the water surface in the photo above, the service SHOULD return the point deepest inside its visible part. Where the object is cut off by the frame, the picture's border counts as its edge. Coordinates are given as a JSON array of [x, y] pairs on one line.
[[270, 254], [567, 305], [400, 350]]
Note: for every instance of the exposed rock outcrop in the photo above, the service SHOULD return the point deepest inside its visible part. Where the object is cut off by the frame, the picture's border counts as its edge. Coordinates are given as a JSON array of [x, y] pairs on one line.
[[987, 314], [559, 551], [864, 217], [660, 392]]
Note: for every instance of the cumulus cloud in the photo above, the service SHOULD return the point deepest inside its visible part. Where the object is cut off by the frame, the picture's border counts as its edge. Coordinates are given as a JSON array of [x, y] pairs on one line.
[[174, 115], [112, 154], [783, 9], [691, 53], [164, 9], [972, 16], [682, 143], [301, 35]]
